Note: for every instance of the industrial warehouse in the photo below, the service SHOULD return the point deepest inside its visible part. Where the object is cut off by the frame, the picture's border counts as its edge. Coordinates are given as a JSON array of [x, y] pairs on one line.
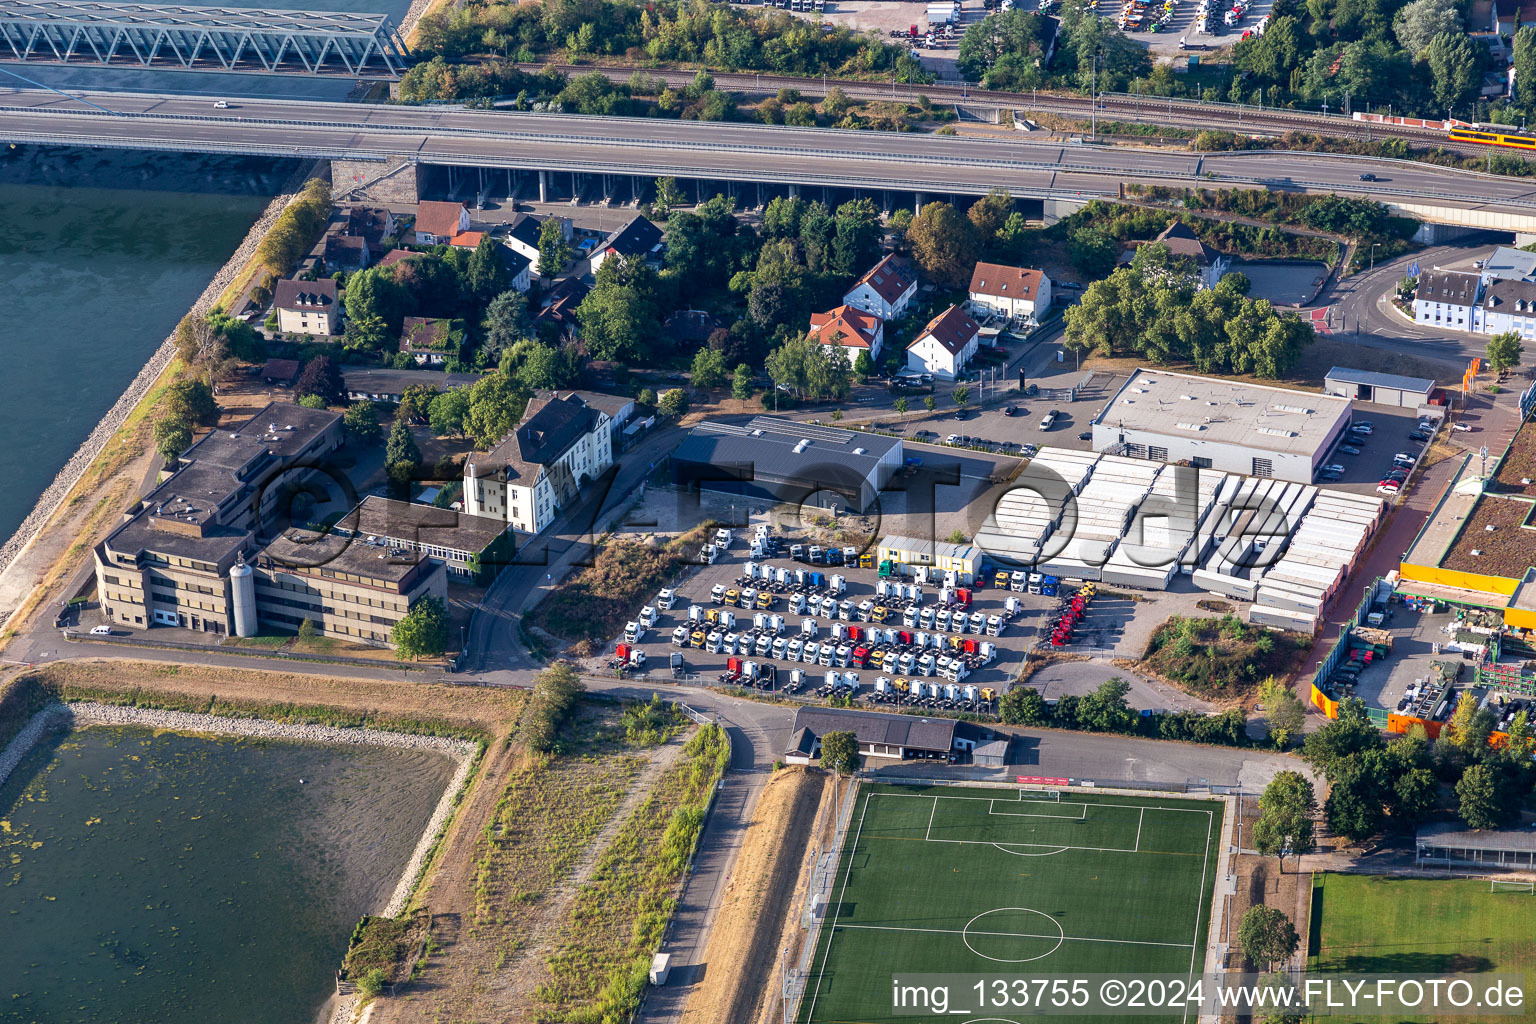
[[1251, 429], [783, 460]]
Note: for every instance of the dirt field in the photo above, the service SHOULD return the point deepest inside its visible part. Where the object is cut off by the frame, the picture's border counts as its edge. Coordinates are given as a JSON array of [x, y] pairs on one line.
[[740, 959], [1260, 880]]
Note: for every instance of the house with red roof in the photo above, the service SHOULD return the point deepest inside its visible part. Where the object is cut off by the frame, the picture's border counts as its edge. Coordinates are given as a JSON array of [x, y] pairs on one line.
[[945, 345], [1014, 292], [850, 329], [886, 290], [437, 223]]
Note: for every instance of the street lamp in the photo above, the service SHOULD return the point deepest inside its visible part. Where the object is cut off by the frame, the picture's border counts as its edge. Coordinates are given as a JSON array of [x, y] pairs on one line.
[[1374, 247]]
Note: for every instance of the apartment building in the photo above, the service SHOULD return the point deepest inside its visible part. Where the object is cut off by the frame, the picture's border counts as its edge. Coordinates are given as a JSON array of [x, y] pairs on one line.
[[563, 443], [307, 307]]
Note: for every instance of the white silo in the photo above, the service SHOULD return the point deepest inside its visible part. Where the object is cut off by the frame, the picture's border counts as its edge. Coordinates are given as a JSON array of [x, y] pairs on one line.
[[242, 581]]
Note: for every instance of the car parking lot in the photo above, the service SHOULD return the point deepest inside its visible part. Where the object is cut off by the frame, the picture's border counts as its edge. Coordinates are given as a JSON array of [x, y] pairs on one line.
[[1363, 461], [912, 637]]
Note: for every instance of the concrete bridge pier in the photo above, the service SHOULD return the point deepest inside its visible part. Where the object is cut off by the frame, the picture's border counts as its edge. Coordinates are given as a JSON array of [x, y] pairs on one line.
[[575, 192], [794, 191], [543, 186], [918, 201]]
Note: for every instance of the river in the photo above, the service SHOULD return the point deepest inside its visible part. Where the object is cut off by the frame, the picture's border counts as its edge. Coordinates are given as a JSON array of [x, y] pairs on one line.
[[93, 277], [180, 879]]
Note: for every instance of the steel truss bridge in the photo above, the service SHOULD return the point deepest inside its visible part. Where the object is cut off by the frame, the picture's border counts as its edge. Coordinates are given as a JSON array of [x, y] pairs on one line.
[[200, 38]]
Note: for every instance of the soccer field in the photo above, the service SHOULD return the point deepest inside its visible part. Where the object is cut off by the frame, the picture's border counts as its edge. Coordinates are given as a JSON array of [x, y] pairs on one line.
[[945, 879], [1425, 926]]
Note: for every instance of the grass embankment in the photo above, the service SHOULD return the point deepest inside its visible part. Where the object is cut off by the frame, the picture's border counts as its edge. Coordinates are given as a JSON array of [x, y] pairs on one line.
[[1221, 658], [599, 968], [20, 698], [594, 604], [1367, 924]]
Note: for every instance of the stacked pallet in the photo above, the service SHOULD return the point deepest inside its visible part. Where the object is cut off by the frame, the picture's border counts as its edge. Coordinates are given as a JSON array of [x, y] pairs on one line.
[[1090, 530], [1247, 531], [1324, 548], [1026, 516], [1164, 530]]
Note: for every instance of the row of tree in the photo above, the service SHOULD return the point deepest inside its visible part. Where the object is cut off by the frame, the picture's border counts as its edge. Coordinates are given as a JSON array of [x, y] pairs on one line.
[[1106, 709]]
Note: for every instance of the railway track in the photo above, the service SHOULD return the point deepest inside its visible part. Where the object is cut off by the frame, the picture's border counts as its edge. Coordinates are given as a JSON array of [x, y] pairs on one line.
[[1155, 110]]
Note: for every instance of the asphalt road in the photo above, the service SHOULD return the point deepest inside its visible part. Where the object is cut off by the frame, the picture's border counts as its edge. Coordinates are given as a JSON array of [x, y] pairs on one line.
[[647, 147]]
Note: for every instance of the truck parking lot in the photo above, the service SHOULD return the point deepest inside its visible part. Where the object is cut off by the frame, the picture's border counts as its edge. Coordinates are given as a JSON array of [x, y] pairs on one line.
[[872, 642]]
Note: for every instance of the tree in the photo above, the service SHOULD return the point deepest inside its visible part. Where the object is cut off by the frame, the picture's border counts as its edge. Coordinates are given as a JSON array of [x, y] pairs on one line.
[[554, 250], [708, 369], [1283, 711], [1416, 794], [486, 274], [1092, 251], [1456, 67], [1480, 797], [1417, 23], [1003, 51], [366, 333], [546, 367], [1504, 351], [863, 365], [311, 402], [944, 244], [668, 197], [961, 394], [307, 630], [448, 411], [1267, 936], [1525, 66], [901, 405], [1350, 733], [856, 238], [506, 323], [415, 400], [1285, 817], [930, 403], [362, 422], [202, 345], [192, 402], [401, 448], [840, 752], [1106, 709], [423, 632], [494, 408], [322, 377], [673, 402], [374, 293], [1023, 705], [741, 382], [172, 437]]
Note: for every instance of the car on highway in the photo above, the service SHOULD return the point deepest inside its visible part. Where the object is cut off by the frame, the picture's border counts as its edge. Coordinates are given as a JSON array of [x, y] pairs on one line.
[[1349, 449], [1367, 176], [218, 105]]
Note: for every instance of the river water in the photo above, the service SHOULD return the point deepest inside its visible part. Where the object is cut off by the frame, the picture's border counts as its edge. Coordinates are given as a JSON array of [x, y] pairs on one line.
[[93, 275], [181, 879]]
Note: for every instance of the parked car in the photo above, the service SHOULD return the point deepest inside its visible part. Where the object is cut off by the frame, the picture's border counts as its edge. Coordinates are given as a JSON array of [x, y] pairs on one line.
[[1420, 436], [1086, 435], [1349, 449], [1334, 468]]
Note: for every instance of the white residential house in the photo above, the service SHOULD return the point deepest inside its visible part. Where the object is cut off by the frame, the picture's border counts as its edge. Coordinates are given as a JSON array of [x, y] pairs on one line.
[[523, 237], [562, 444], [886, 290], [850, 329], [946, 345], [437, 222], [1210, 265], [307, 307], [639, 239], [1506, 306], [1446, 299], [1015, 292]]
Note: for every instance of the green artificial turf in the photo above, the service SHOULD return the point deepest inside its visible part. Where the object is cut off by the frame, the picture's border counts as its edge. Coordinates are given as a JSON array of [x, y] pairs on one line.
[[949, 880], [1366, 924]]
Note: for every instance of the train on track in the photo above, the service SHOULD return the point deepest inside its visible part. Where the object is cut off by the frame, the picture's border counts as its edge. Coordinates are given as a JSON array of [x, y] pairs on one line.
[[1494, 135]]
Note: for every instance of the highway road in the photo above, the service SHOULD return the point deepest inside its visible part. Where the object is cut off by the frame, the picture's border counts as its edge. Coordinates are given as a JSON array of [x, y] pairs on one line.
[[712, 151]]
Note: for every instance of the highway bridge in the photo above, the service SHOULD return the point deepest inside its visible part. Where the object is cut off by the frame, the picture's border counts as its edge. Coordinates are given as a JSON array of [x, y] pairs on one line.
[[369, 139]]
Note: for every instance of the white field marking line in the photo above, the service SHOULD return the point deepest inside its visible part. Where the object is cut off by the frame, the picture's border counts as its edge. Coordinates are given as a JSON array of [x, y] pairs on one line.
[[1210, 823], [1048, 846], [985, 799], [1051, 852], [1083, 816], [827, 953], [927, 836], [1013, 935], [1143, 817]]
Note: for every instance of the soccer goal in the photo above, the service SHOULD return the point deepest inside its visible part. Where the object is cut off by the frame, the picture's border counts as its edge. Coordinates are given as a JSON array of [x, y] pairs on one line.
[[1511, 885], [1048, 795]]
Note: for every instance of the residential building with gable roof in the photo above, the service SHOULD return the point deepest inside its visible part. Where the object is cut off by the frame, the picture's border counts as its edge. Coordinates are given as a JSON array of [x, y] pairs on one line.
[[563, 443], [1014, 292], [850, 329], [1209, 264], [437, 222], [886, 290], [946, 345], [639, 239]]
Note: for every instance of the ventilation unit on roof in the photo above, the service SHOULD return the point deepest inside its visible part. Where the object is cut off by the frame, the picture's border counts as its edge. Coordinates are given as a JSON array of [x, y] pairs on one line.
[[858, 451], [1187, 398], [758, 432], [1276, 432], [1139, 391], [1476, 553], [1295, 408], [1489, 528], [1190, 426], [803, 444], [1244, 402]]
